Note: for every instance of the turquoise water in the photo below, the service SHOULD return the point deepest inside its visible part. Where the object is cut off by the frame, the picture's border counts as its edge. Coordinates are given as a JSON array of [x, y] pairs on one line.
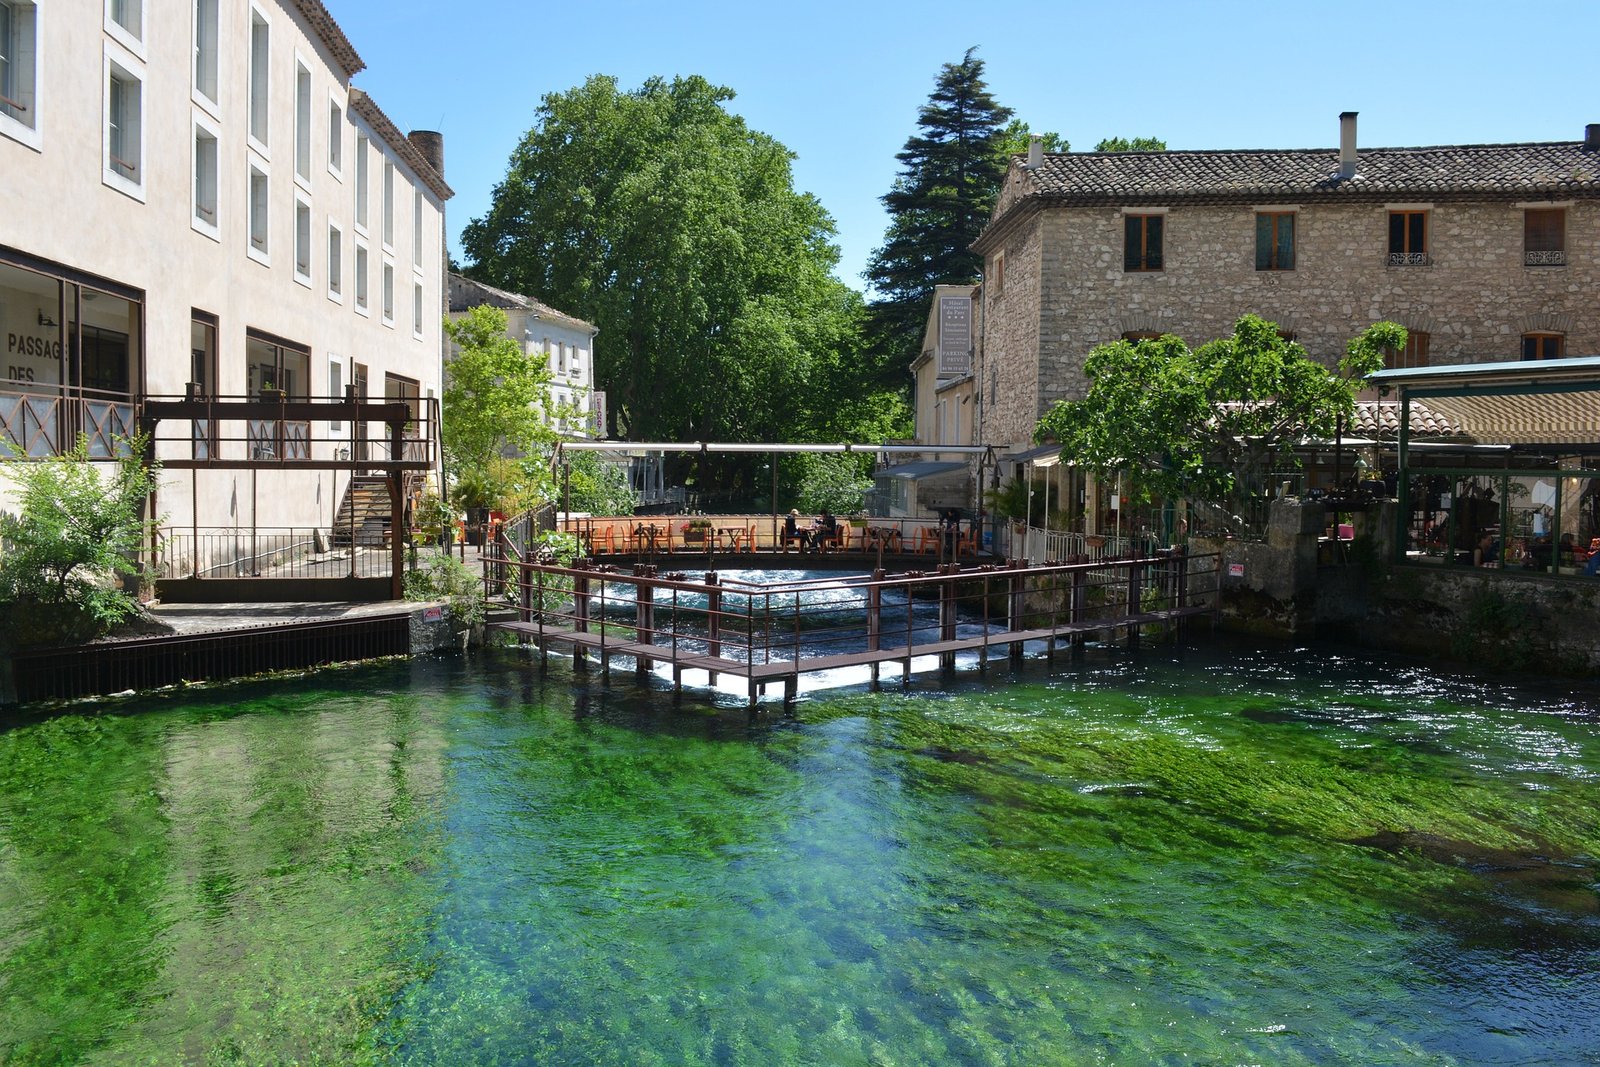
[[1216, 855]]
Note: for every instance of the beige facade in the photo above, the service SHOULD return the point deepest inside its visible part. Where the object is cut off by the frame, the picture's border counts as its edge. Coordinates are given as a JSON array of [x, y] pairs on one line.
[[198, 199], [1477, 290]]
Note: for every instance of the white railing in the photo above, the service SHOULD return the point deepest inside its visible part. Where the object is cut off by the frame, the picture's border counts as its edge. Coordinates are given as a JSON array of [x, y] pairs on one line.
[[1053, 546]]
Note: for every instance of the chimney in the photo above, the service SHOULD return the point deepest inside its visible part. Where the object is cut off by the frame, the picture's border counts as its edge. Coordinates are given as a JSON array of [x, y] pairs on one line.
[[1035, 152], [431, 145], [1591, 137], [1347, 144]]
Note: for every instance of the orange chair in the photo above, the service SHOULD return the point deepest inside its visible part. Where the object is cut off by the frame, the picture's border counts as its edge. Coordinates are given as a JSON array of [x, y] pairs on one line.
[[927, 539], [601, 541], [750, 538]]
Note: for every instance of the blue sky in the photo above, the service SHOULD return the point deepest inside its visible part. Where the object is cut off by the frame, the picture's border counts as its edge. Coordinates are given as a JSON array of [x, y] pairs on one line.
[[840, 83]]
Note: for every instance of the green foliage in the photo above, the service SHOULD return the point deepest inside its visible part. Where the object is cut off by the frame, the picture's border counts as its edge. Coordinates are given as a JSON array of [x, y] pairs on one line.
[[1010, 500], [444, 577], [495, 396], [1209, 423], [74, 533], [833, 481], [660, 217], [597, 487], [1131, 144], [950, 173], [1017, 138]]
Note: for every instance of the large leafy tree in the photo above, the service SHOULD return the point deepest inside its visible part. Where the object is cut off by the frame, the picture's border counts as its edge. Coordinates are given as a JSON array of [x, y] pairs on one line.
[[951, 170], [497, 400], [1209, 423], [1131, 144], [662, 218]]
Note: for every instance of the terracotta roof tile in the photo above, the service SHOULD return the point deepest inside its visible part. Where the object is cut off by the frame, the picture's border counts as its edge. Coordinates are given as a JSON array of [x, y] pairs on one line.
[[317, 15], [465, 294], [399, 143]]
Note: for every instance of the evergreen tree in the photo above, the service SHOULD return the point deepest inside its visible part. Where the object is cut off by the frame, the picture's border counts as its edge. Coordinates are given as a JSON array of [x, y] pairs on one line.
[[950, 172]]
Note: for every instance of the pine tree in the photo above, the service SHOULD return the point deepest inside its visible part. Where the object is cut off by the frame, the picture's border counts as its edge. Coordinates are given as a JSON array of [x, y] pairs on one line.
[[951, 170]]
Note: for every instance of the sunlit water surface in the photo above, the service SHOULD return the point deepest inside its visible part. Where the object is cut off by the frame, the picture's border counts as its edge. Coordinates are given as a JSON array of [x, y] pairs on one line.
[[1210, 855]]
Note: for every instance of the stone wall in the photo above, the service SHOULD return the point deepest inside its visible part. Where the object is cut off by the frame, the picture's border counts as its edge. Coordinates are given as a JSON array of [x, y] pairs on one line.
[[1008, 370], [1475, 300]]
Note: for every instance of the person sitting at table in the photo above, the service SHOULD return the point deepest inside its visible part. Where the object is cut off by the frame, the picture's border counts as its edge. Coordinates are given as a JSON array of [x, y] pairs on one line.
[[822, 534], [792, 531], [1488, 553], [950, 525]]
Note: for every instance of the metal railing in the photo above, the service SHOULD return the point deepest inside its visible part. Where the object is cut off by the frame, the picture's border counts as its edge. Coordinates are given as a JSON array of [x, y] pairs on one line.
[[1553, 257], [1410, 259], [264, 552]]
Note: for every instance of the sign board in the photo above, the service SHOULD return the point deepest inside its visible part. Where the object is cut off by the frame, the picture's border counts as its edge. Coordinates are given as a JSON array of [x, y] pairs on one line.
[[597, 413], [955, 336], [433, 613], [1236, 570]]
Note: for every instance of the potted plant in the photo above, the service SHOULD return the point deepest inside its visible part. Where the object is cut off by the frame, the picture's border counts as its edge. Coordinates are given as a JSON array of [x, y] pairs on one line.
[[696, 531], [475, 493]]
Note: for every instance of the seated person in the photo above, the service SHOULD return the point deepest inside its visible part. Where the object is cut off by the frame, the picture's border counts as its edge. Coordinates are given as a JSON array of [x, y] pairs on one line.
[[1488, 551], [1592, 568], [824, 530], [792, 531], [950, 527]]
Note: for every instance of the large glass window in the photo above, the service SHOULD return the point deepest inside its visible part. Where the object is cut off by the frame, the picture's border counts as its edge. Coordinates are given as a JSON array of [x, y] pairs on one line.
[[205, 49], [1275, 240], [18, 63], [129, 15], [276, 365], [124, 133], [1142, 242]]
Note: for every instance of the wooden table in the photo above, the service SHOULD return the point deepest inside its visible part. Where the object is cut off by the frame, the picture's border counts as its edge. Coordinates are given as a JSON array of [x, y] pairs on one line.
[[730, 537], [886, 537]]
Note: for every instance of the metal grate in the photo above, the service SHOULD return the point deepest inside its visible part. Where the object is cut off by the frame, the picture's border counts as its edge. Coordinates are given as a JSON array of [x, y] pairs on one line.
[[150, 662]]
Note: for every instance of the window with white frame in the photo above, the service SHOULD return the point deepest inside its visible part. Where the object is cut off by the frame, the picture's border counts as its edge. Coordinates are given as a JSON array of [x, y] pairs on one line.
[[19, 70], [388, 293], [362, 181], [416, 308], [335, 386], [302, 241], [205, 179], [363, 270], [125, 20], [205, 49], [260, 75], [124, 133], [259, 202], [335, 138], [416, 227], [335, 262], [388, 204], [302, 121]]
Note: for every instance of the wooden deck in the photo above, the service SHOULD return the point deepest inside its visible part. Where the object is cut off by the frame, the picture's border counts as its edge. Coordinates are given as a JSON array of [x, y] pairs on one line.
[[765, 646]]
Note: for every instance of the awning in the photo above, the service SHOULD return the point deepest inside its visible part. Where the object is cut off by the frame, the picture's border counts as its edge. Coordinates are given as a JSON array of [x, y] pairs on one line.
[[1533, 402], [1043, 456], [915, 471]]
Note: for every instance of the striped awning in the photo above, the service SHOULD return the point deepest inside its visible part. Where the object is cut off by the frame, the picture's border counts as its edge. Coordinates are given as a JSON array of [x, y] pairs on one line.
[[1549, 402]]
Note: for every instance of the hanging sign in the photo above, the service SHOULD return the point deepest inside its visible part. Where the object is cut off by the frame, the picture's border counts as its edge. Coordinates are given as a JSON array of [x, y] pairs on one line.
[[597, 413]]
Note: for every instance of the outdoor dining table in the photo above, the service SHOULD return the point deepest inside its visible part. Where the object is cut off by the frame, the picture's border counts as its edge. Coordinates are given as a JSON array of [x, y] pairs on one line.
[[884, 537], [729, 537]]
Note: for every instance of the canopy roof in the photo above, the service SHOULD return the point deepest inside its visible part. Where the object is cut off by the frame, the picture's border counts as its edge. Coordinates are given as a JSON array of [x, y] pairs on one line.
[[1534, 402]]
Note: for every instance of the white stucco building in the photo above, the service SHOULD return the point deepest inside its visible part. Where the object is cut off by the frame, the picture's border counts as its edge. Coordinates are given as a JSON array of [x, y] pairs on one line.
[[197, 200], [564, 343]]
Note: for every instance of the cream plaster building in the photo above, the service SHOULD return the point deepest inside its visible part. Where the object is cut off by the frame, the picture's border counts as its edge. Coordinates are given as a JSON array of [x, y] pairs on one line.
[[1483, 252], [198, 201]]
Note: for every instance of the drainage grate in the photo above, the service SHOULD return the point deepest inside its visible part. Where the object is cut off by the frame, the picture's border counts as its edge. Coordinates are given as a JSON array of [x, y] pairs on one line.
[[151, 662]]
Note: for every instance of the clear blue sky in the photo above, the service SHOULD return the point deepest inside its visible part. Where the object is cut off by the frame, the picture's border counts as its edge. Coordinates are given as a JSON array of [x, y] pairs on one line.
[[840, 83]]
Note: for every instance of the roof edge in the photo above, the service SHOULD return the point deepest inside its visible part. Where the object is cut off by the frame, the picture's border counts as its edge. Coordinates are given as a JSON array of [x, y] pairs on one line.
[[363, 104]]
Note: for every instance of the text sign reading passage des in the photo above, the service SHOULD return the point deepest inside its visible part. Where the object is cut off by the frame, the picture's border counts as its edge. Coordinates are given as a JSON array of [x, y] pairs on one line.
[[955, 336]]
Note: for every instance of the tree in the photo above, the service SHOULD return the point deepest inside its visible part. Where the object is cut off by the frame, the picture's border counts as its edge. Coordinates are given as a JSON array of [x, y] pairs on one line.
[[596, 486], [73, 534], [662, 218], [950, 173], [1135, 144], [496, 399], [1209, 423], [1017, 138], [832, 481]]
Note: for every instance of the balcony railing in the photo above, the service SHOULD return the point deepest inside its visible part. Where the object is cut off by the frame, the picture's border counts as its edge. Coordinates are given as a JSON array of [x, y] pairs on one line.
[[1553, 257], [1410, 259]]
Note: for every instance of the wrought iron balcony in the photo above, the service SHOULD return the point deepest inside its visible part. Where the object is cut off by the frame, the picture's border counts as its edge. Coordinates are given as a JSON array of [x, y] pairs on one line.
[[1553, 257], [1410, 259]]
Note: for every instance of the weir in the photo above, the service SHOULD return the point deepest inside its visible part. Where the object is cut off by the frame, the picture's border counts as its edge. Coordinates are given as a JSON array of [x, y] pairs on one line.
[[772, 632]]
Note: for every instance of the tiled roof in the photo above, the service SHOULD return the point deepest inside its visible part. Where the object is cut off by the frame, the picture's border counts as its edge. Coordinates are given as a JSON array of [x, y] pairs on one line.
[[465, 294], [363, 105], [1493, 171], [332, 36], [1380, 420]]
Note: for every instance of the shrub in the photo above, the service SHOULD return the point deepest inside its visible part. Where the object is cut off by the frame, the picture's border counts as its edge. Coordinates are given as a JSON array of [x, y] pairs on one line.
[[443, 577]]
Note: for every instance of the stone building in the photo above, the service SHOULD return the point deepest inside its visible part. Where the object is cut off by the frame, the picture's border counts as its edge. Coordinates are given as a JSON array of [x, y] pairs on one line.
[[563, 342], [1483, 252], [198, 201]]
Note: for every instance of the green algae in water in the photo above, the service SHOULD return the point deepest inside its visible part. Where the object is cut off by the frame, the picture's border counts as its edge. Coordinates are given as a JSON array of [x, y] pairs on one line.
[[1146, 859]]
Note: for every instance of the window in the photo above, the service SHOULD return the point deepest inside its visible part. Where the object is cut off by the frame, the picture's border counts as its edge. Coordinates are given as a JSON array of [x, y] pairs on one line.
[[302, 121], [335, 386], [125, 20], [19, 45], [1414, 354], [1544, 237], [1141, 248], [258, 213], [416, 227], [1543, 345], [388, 204], [205, 180], [1408, 239], [361, 278], [561, 357], [205, 49], [124, 128], [277, 364], [335, 138], [335, 263], [388, 293], [361, 182], [260, 67], [302, 241], [997, 276], [1141, 335], [1275, 240], [416, 308]]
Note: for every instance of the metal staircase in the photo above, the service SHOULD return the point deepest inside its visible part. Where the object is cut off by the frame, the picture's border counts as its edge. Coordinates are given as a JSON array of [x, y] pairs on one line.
[[363, 517]]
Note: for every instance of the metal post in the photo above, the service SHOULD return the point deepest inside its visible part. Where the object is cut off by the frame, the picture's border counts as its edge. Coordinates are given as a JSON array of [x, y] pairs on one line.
[[1135, 580], [874, 616], [713, 620], [947, 614], [1014, 607]]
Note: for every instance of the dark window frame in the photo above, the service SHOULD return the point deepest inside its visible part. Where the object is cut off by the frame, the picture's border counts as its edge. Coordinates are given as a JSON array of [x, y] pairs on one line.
[[1271, 260], [1144, 238]]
